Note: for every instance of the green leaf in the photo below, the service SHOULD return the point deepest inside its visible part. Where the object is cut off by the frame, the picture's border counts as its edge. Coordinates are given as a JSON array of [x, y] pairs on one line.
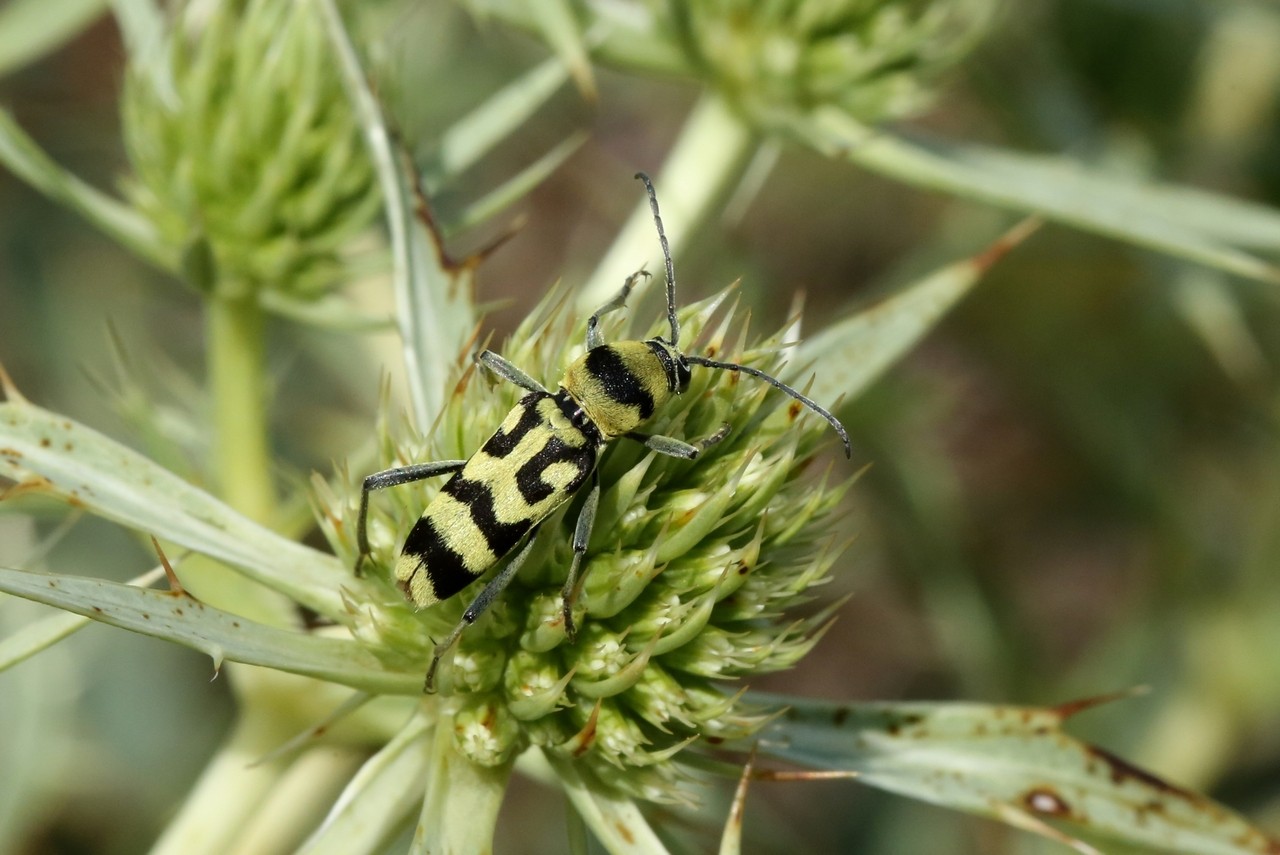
[[1014, 764], [41, 746], [615, 820], [628, 35], [861, 347], [328, 312], [143, 28], [118, 221], [515, 188], [433, 301], [50, 453], [380, 797], [34, 637], [557, 23], [476, 134], [29, 29], [1178, 221], [222, 635]]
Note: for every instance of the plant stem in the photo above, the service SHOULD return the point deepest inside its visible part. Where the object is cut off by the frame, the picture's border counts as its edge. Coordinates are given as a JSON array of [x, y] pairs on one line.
[[237, 380], [230, 790], [241, 460], [460, 811]]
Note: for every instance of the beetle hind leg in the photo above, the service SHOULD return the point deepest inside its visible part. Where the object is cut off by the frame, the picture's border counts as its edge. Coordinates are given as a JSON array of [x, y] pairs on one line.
[[393, 478], [581, 538], [478, 607]]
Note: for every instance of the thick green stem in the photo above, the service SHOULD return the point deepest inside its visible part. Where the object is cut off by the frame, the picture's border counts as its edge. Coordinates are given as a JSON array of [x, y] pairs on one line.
[[460, 811], [230, 791], [237, 383], [241, 461], [252, 797]]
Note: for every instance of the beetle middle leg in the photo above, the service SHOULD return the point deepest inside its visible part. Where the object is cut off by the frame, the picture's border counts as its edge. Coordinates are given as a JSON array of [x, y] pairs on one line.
[[673, 447]]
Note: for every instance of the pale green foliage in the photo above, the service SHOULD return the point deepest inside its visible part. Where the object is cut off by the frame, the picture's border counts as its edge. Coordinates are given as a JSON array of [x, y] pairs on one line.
[[259, 155]]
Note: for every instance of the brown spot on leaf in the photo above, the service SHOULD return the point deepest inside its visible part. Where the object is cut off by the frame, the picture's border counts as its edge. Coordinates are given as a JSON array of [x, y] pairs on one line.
[[1047, 802], [896, 726], [625, 833]]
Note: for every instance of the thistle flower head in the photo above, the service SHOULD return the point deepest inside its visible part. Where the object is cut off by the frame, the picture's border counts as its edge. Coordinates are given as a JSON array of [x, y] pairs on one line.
[[690, 574], [874, 59], [246, 155], [775, 62]]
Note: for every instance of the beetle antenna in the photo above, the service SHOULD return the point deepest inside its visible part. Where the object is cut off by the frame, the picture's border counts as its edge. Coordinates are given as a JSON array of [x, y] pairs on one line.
[[666, 258], [778, 384]]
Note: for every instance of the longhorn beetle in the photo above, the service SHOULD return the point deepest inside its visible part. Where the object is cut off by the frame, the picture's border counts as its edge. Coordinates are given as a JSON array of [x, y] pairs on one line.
[[543, 453]]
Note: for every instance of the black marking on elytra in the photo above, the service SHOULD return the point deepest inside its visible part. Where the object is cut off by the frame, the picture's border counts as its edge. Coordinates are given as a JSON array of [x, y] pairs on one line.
[[501, 444], [619, 383], [446, 570], [529, 476], [478, 497]]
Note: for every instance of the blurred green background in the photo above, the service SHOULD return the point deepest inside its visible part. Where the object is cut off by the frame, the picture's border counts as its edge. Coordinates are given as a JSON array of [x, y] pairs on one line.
[[1075, 481]]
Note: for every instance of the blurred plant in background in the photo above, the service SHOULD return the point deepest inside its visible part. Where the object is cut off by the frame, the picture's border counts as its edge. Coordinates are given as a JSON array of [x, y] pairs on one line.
[[1073, 484]]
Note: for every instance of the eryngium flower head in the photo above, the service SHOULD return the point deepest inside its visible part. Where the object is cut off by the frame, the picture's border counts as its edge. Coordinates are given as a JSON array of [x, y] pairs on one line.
[[691, 571], [874, 59], [245, 151]]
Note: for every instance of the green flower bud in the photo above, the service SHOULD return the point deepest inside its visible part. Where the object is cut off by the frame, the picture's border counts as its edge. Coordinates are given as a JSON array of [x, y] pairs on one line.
[[480, 667], [534, 684], [245, 152], [874, 59], [485, 731]]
